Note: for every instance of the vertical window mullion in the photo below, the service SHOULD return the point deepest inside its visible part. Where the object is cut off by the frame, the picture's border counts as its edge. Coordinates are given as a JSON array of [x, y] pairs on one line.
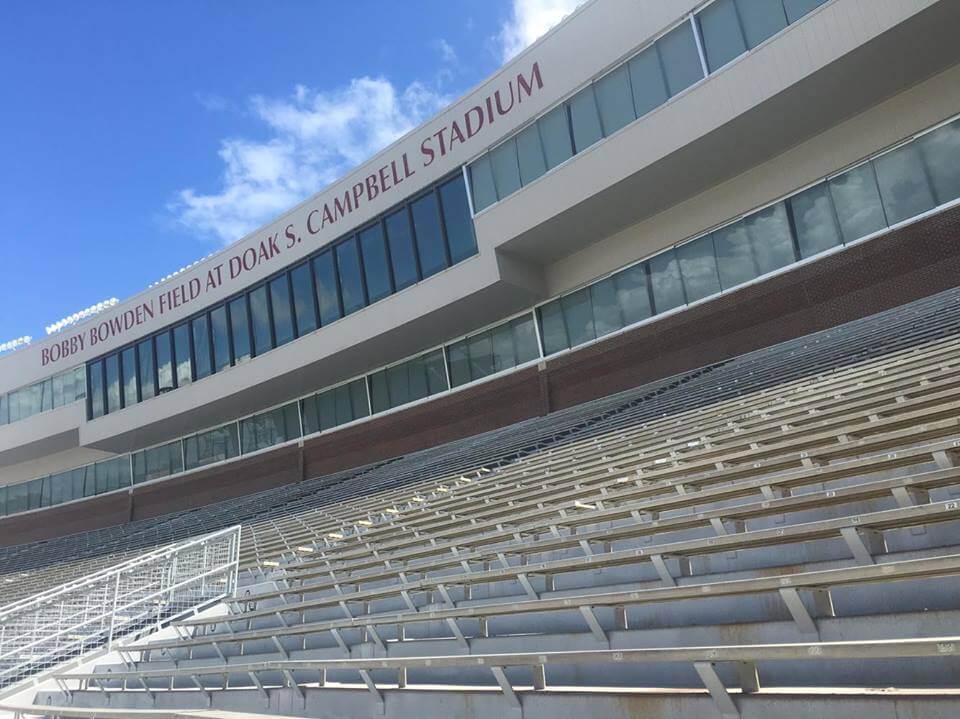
[[229, 320], [336, 281], [253, 344], [391, 280], [443, 220], [413, 240], [700, 49], [293, 312]]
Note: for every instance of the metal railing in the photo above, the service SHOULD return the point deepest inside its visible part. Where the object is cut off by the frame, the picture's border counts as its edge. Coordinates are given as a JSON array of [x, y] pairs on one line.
[[73, 621]]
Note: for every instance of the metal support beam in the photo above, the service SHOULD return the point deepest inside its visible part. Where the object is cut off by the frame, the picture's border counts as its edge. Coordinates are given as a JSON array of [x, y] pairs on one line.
[[721, 697], [749, 679], [527, 586], [539, 677], [791, 597], [371, 685], [506, 687], [863, 543], [455, 628], [591, 619]]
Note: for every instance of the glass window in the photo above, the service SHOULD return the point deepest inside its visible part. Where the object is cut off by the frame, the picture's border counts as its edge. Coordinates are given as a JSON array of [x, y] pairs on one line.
[[398, 382], [436, 371], [342, 411], [680, 58], [649, 85], [79, 383], [269, 428], [426, 227], [181, 348], [735, 260], [459, 361], [112, 367], [525, 338], [260, 317], [201, 346], [480, 351], [904, 186], [606, 312], [457, 220], [164, 362], [97, 408], [304, 302], [351, 281], [632, 296], [481, 183], [720, 30], [376, 268], [112, 474], [698, 267], [815, 220], [379, 392], [148, 374], [46, 394], [157, 462], [58, 398], [578, 317], [504, 347], [584, 119], [506, 170], [240, 329], [665, 281], [796, 9], [128, 362], [555, 134], [941, 151], [403, 257], [328, 295], [615, 100], [282, 312], [771, 238], [761, 19], [358, 398], [857, 200], [530, 155], [17, 500], [335, 406], [553, 328], [220, 329], [214, 445], [4, 416]]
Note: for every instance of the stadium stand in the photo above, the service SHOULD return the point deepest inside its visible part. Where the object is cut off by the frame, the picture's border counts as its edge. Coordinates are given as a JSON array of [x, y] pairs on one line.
[[786, 519]]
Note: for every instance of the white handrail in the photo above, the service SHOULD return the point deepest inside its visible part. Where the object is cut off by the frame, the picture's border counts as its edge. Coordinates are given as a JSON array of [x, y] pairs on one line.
[[74, 620]]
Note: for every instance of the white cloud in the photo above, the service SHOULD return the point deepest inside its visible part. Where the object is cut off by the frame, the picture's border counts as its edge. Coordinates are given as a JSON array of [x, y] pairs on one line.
[[313, 138], [529, 20]]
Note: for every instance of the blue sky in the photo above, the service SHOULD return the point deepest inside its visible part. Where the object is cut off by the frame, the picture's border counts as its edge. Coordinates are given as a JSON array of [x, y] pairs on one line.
[[138, 137]]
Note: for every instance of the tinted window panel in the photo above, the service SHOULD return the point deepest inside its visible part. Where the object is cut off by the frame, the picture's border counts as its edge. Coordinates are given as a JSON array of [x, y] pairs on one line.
[[525, 339], [459, 363], [376, 269], [796, 9], [379, 392], [606, 312], [240, 330], [164, 362], [402, 254], [269, 428], [112, 366], [680, 58], [436, 372], [506, 171], [698, 267], [398, 381], [504, 349], [632, 296], [148, 383], [480, 348], [304, 308], [584, 119], [327, 292], [215, 445], [157, 462], [555, 134], [181, 348], [128, 365], [95, 370], [481, 183], [941, 151], [351, 282], [221, 338], [426, 227], [530, 155], [260, 316], [771, 238], [857, 200], [903, 183], [735, 260], [814, 218], [358, 398], [720, 29], [578, 317], [457, 220], [282, 311], [615, 100], [761, 19], [553, 327], [201, 346], [649, 85], [665, 281]]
